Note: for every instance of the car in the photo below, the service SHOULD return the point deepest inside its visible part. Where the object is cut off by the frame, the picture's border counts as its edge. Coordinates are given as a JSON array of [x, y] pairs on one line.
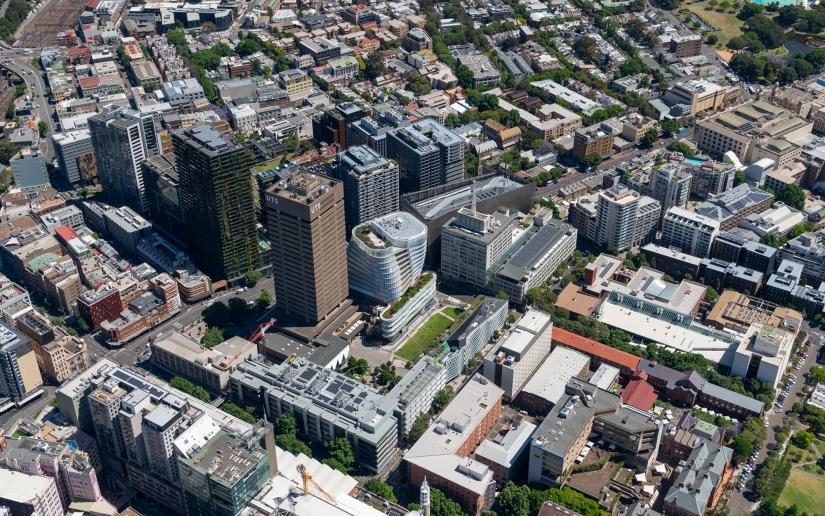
[[767, 424]]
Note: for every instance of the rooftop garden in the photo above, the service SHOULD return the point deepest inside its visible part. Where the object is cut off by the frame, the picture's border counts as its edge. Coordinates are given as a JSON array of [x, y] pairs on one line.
[[423, 280], [366, 234]]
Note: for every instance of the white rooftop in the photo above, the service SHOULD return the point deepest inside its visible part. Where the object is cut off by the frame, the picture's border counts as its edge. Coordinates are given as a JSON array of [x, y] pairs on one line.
[[562, 365]]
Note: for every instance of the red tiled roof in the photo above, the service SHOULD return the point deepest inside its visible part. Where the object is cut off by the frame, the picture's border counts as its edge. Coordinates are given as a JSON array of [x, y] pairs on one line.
[[596, 349], [639, 394], [89, 82], [65, 232]]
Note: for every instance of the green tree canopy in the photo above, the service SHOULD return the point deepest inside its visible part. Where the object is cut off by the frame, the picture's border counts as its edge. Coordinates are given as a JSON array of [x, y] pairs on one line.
[[793, 196]]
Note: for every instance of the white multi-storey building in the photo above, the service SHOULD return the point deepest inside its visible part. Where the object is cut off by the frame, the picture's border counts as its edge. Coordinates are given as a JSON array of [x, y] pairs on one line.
[[690, 232], [520, 353]]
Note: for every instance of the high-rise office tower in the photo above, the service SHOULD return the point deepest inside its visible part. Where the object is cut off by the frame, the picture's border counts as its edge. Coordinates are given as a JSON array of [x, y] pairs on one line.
[[216, 200], [122, 140], [370, 185], [671, 186], [428, 155], [19, 375], [305, 219], [386, 256]]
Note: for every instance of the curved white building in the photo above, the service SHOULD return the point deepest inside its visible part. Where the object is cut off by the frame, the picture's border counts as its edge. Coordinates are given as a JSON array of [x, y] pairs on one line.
[[386, 256]]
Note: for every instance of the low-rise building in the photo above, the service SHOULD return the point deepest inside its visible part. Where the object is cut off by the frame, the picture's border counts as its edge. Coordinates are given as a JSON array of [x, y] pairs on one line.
[[763, 354], [700, 483], [442, 454], [416, 391], [507, 454], [583, 408], [209, 367], [547, 385]]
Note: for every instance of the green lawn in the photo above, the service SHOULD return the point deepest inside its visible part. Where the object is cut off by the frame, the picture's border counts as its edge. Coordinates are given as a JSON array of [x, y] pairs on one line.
[[452, 312], [805, 491], [728, 25], [799, 455], [424, 337]]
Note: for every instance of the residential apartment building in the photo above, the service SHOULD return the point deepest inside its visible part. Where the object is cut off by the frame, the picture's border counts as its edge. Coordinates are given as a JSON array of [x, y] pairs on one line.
[[625, 218], [592, 141], [60, 359], [370, 184], [75, 156], [20, 378], [428, 155], [670, 185], [688, 231], [217, 201], [29, 494], [122, 140]]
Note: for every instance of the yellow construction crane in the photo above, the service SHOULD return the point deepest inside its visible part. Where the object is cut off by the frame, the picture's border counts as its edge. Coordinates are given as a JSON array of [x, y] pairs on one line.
[[307, 479]]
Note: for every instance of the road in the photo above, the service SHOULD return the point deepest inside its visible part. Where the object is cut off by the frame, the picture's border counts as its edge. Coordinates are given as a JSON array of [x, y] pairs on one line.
[[133, 353], [19, 61], [738, 503]]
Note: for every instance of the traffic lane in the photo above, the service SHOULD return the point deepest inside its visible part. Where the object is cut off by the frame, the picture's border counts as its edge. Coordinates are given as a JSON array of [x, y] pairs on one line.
[[134, 350]]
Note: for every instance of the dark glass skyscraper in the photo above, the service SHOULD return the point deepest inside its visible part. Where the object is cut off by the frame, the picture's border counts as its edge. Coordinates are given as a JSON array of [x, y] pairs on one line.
[[217, 203]]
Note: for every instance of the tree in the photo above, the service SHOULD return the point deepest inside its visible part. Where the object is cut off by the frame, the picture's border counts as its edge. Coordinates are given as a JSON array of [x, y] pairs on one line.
[[341, 456], [817, 375], [381, 488], [265, 299], [385, 375], [793, 196], [513, 500], [42, 128], [375, 67], [739, 178], [422, 422], [217, 315], [238, 310], [750, 10], [770, 33], [712, 39], [252, 278], [465, 76], [585, 47], [803, 439], [292, 444], [238, 412], [356, 367], [182, 384], [742, 447], [213, 337], [285, 425], [591, 160], [442, 398], [669, 127], [650, 137], [441, 505], [711, 294], [681, 147], [787, 75]]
